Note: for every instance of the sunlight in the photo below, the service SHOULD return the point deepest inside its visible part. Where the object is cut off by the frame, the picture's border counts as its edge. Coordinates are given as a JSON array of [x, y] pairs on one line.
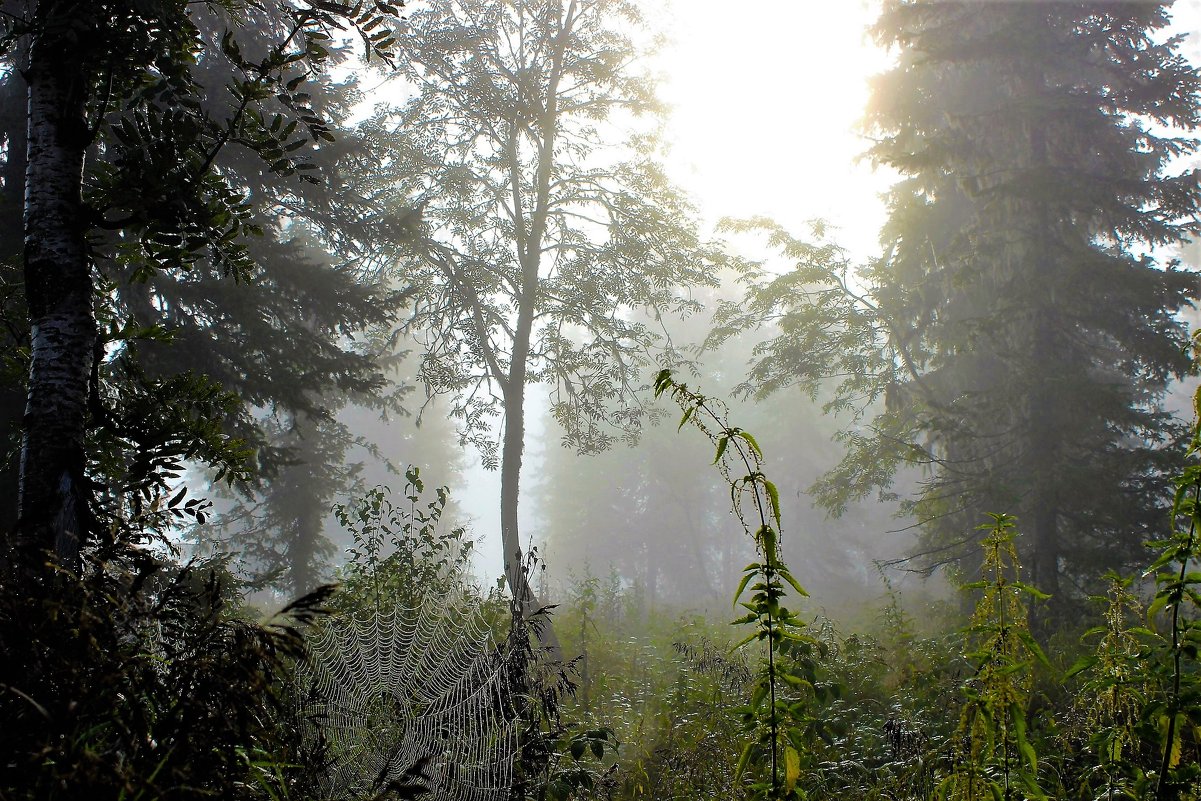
[[765, 101]]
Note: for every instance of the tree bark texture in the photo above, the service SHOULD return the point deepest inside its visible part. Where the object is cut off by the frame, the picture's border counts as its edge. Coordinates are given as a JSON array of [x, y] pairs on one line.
[[54, 497], [13, 120]]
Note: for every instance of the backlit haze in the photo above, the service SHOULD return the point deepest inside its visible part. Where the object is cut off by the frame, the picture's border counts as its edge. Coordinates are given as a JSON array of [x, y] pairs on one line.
[[765, 98]]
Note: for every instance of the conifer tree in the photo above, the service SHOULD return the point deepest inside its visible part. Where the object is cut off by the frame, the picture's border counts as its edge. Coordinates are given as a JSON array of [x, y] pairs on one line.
[[1036, 141], [1020, 329]]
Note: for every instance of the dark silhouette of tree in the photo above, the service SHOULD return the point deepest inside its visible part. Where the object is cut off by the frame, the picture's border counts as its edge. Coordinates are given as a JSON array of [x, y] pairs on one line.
[[132, 203]]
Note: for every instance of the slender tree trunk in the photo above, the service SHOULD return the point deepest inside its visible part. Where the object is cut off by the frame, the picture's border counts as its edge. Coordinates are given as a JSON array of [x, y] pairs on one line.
[[54, 494], [510, 488], [302, 558], [529, 254], [512, 452]]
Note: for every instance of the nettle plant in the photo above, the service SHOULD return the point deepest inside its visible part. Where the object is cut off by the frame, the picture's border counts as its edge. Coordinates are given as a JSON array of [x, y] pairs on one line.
[[778, 719], [1114, 689], [994, 758], [1175, 714]]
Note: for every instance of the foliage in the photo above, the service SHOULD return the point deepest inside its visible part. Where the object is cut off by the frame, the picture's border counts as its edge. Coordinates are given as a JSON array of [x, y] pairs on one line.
[[779, 726], [994, 757], [673, 542], [401, 550], [1177, 713], [185, 122], [143, 680], [1109, 702], [560, 758], [528, 242]]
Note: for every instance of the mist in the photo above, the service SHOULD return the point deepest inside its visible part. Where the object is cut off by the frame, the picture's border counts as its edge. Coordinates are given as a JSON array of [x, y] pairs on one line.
[[542, 400]]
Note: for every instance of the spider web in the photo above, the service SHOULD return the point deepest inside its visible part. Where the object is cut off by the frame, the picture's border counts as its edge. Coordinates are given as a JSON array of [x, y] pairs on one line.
[[388, 690]]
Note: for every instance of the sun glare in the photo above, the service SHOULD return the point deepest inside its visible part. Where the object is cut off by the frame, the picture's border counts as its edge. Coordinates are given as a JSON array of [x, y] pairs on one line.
[[766, 97]]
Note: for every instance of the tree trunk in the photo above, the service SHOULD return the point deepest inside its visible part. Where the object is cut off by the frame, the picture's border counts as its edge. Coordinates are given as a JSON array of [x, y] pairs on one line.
[[54, 500], [529, 254], [13, 122], [1047, 404], [1043, 455], [510, 486]]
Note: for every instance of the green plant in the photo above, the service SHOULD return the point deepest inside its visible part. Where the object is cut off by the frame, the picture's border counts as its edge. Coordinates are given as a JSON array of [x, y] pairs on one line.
[[1108, 702], [1178, 597], [402, 550], [559, 758], [994, 756], [141, 679], [777, 724]]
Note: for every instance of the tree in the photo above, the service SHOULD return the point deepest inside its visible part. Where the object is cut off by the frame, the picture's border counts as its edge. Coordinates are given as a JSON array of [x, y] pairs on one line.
[[526, 242], [1021, 330], [123, 138]]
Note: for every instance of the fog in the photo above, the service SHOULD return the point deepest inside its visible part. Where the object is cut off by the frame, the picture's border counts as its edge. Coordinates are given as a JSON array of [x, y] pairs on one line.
[[765, 119]]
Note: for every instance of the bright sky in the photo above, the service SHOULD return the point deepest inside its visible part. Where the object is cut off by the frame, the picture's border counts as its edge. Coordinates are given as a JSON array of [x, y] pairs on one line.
[[766, 96]]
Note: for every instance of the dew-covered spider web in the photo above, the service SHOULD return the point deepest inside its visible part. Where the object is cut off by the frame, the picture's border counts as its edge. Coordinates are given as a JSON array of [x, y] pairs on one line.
[[410, 686]]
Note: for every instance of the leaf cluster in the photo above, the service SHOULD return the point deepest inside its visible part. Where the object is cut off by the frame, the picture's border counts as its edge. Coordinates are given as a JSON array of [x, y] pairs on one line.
[[142, 679], [401, 550]]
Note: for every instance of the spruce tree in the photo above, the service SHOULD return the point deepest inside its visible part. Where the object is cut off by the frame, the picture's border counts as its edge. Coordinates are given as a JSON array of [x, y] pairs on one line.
[[1017, 338], [1036, 143]]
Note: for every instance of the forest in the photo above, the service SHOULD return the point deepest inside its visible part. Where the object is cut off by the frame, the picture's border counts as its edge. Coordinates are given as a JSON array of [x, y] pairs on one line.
[[386, 412]]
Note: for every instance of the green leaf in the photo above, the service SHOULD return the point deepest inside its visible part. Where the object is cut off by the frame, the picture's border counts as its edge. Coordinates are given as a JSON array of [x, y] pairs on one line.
[[792, 582], [722, 442], [1032, 591], [743, 759], [746, 579], [1019, 727], [662, 382], [1082, 664], [746, 435], [792, 768], [747, 639], [774, 495]]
